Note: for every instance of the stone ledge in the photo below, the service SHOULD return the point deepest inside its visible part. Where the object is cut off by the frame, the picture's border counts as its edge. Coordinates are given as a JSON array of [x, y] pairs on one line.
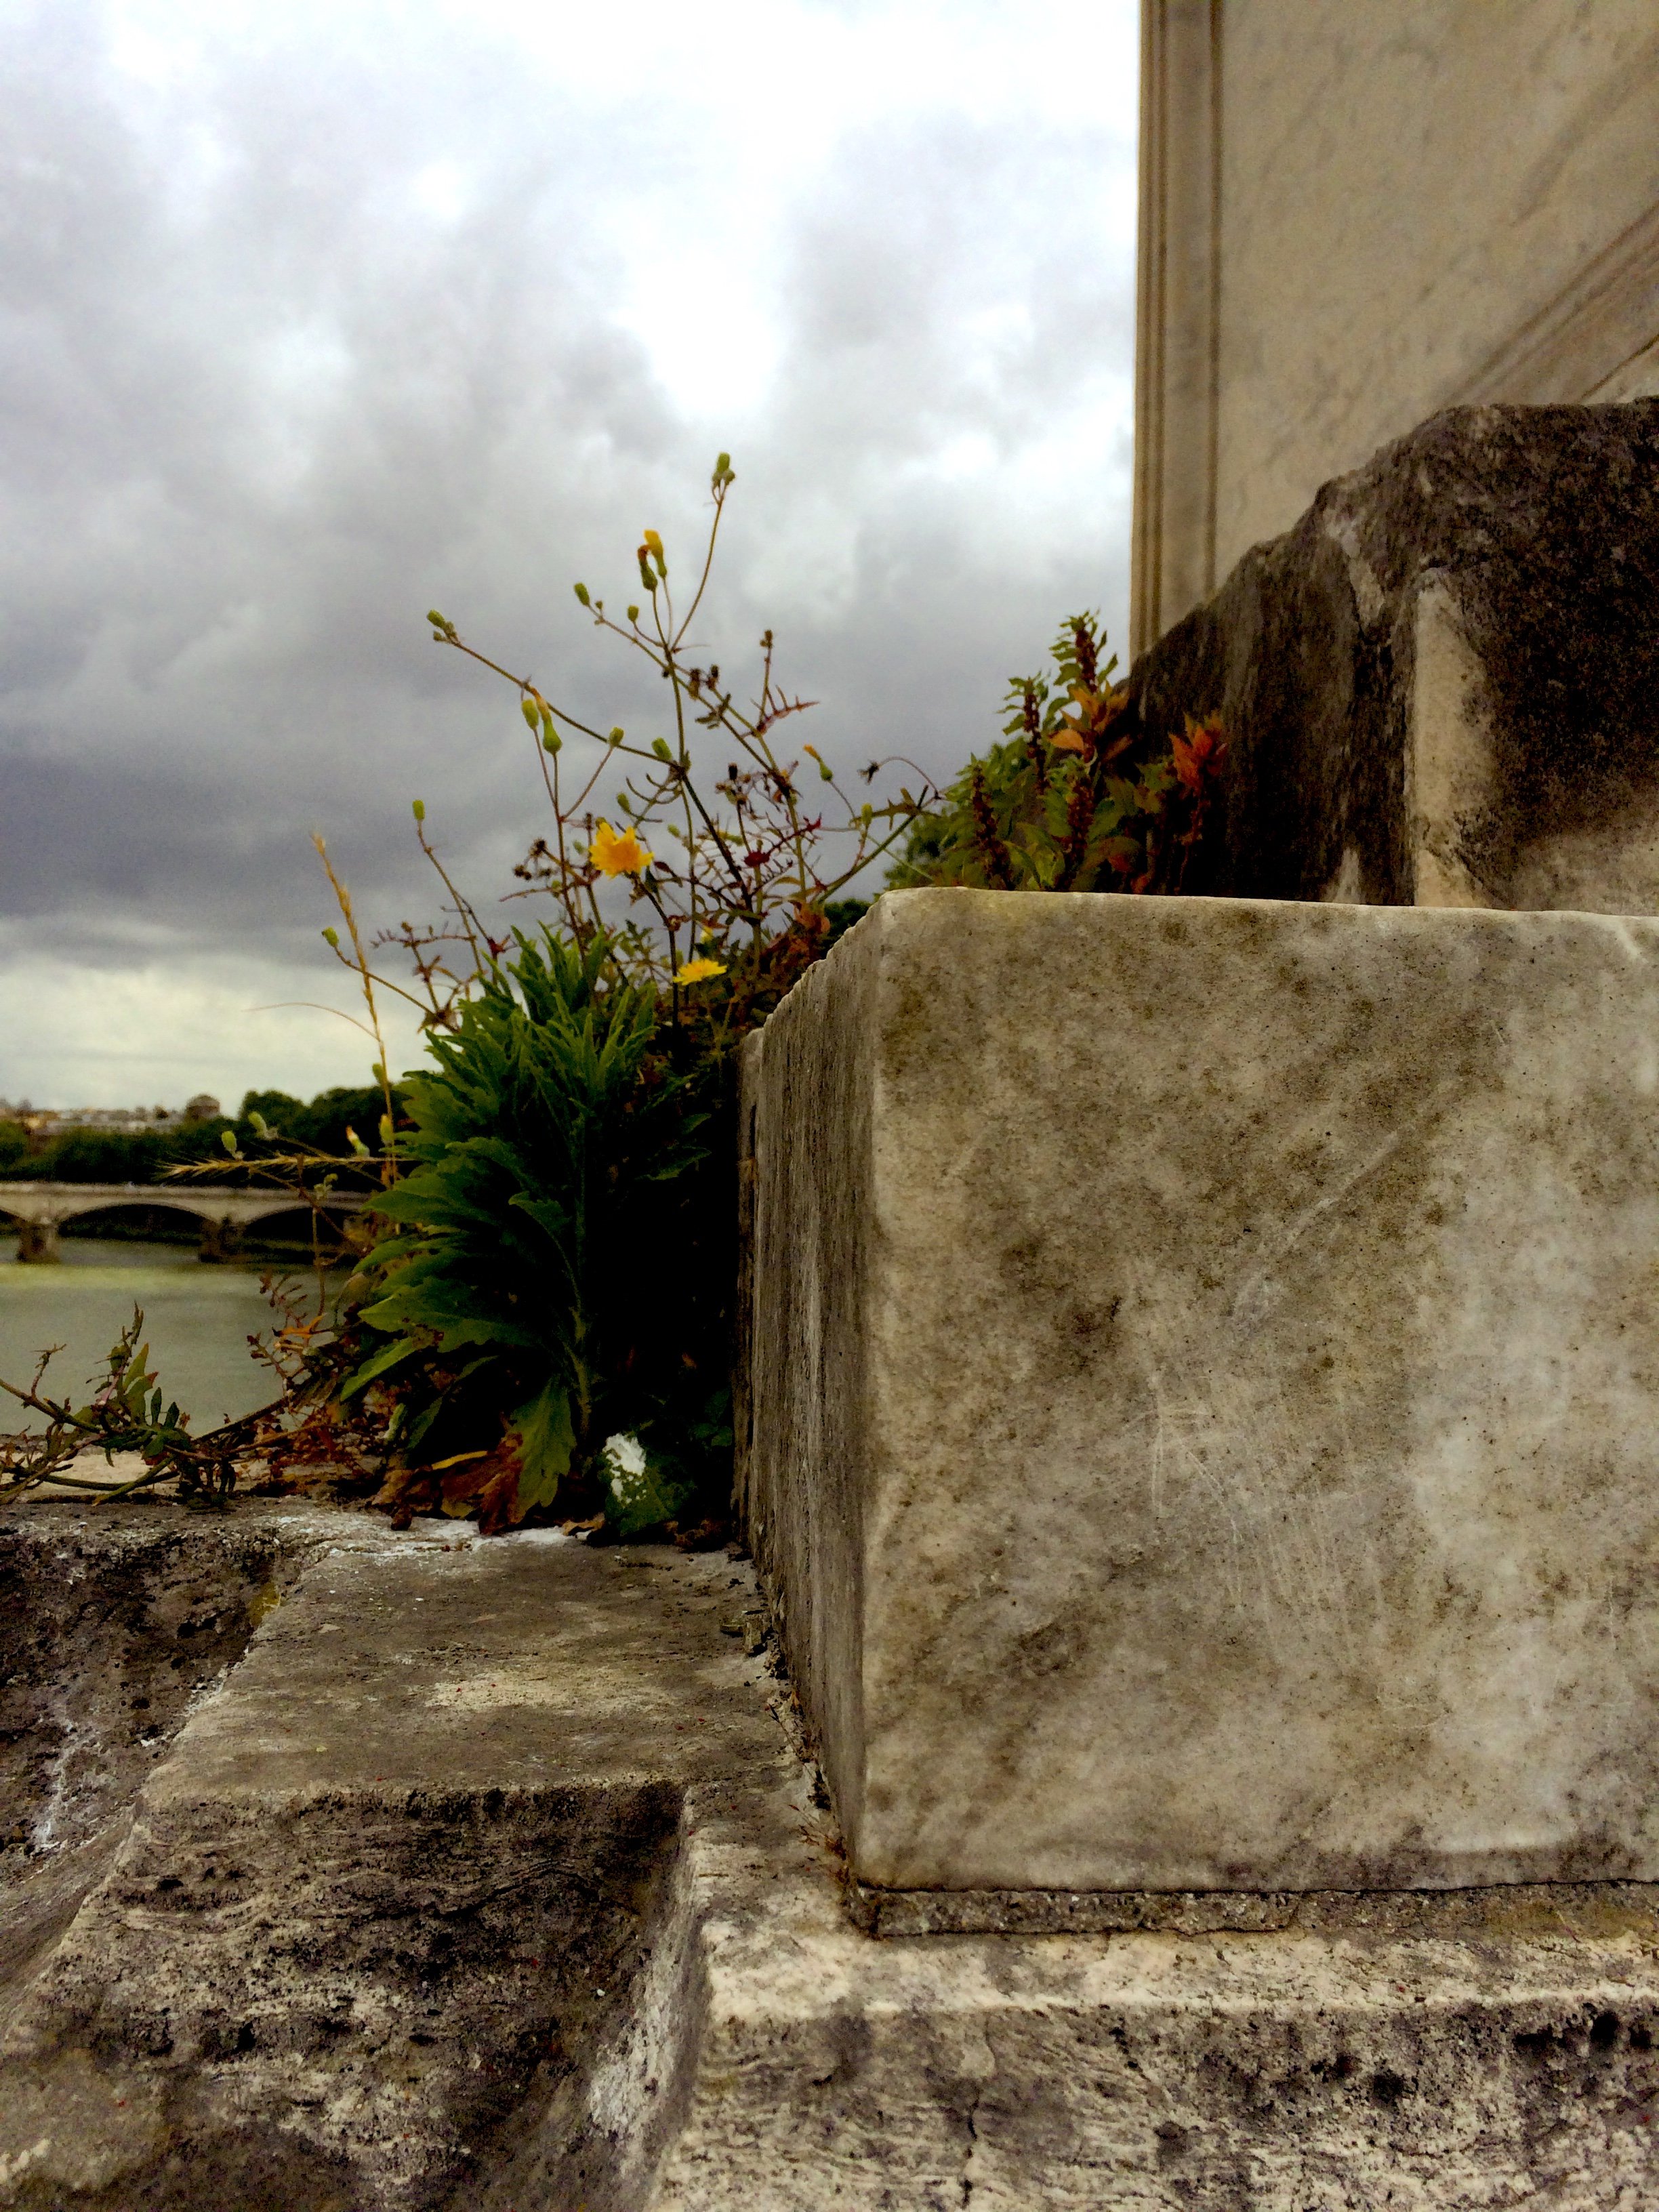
[[1442, 687]]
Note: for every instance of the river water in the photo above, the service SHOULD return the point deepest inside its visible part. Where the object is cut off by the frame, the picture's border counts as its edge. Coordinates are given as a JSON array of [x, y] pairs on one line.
[[196, 1320]]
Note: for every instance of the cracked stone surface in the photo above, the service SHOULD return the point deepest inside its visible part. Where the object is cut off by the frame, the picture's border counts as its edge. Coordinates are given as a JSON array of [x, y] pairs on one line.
[[390, 1885]]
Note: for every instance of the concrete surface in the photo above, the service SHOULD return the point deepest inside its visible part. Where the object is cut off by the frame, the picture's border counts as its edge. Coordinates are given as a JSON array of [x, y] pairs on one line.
[[1442, 687], [1202, 1388], [1353, 216], [488, 1879]]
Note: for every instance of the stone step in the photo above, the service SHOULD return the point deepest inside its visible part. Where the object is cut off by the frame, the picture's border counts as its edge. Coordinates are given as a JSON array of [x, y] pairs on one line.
[[488, 1879]]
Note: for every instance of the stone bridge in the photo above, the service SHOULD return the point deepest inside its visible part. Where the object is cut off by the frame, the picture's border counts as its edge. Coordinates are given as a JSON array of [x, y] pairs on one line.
[[39, 1209]]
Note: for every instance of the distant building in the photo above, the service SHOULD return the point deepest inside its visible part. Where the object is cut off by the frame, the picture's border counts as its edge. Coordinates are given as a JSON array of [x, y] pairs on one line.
[[44, 1121]]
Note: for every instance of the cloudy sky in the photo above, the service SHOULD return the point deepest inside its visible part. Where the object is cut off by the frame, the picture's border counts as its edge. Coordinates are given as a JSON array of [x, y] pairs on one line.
[[313, 317]]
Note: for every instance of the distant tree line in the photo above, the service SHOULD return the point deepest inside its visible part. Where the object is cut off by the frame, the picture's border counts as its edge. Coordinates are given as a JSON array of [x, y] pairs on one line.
[[108, 1156]]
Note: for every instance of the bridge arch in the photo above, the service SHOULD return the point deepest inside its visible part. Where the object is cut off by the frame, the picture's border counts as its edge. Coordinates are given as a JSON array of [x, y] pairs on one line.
[[41, 1209]]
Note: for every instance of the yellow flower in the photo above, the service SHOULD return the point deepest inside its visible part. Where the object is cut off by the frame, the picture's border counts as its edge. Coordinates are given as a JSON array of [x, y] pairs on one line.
[[617, 854], [699, 971]]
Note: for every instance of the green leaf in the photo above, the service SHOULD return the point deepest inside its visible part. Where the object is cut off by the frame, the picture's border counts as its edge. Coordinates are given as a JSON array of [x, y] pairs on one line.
[[381, 1364], [546, 1441], [540, 1250]]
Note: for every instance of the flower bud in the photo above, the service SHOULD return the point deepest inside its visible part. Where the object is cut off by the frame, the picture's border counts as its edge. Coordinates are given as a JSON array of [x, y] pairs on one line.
[[581, 593], [527, 708], [633, 614], [420, 810], [332, 937], [660, 746]]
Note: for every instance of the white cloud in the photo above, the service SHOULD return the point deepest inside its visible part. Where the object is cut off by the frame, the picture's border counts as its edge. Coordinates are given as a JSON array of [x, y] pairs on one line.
[[165, 1026]]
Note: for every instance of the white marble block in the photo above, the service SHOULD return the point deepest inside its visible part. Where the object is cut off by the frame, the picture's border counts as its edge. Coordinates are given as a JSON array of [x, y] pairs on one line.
[[1202, 1391]]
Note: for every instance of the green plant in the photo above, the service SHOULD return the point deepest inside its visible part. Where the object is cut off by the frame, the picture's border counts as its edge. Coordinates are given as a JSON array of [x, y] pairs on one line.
[[1080, 796], [555, 1273], [588, 1080]]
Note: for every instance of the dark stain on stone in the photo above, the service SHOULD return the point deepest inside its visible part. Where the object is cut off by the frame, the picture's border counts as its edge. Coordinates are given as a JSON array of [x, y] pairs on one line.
[[1172, 2140], [1050, 1650], [1537, 2044], [100, 1624]]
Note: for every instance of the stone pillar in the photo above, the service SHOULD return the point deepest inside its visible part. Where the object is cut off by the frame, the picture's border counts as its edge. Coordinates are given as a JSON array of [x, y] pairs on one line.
[[36, 1242], [221, 1241]]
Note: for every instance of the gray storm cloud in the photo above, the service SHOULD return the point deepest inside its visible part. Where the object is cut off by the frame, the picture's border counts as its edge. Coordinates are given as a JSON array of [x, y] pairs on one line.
[[302, 333]]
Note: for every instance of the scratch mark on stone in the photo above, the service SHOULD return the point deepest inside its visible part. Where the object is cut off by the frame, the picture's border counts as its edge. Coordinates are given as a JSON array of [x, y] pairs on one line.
[[1277, 1504], [1250, 1304]]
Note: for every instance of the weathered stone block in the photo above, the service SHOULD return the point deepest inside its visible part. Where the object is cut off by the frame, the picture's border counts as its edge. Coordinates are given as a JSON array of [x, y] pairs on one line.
[[1442, 687], [1201, 1391]]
